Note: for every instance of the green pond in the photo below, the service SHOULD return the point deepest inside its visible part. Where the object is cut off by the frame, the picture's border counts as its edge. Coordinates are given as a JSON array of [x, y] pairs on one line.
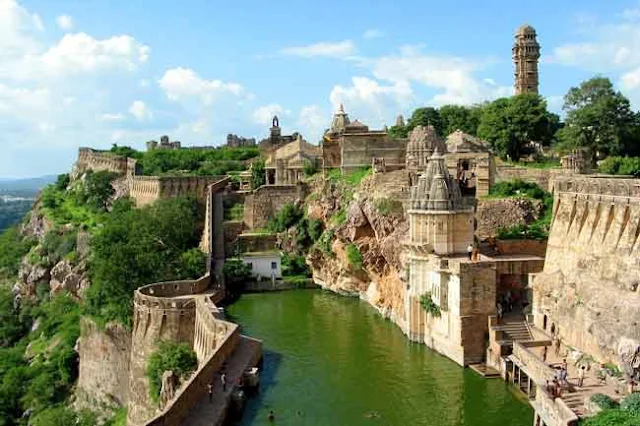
[[334, 361]]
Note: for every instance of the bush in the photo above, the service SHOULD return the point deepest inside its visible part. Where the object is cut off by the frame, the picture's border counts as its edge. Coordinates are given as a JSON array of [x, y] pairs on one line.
[[631, 404], [354, 257], [236, 271], [293, 265], [234, 212], [325, 241], [298, 281], [612, 417], [388, 207], [620, 166], [603, 401], [309, 168], [56, 244], [12, 249], [258, 174], [170, 356], [429, 305], [315, 228], [288, 216]]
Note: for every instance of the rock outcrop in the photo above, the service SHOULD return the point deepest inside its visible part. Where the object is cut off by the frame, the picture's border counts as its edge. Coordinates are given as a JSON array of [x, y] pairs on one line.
[[104, 366], [495, 213]]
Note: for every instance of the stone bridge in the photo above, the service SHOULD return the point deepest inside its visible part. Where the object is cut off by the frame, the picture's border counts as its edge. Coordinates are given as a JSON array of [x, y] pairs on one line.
[[183, 311]]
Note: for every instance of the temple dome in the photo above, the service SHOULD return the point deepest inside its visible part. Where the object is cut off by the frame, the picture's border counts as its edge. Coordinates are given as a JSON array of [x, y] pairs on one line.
[[436, 189], [423, 142], [526, 29]]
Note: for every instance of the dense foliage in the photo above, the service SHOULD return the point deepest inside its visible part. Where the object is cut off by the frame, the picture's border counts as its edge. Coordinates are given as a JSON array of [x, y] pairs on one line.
[[620, 166], [627, 414], [538, 230], [258, 174], [218, 161], [12, 249], [135, 247], [599, 119], [294, 265], [603, 401], [170, 356]]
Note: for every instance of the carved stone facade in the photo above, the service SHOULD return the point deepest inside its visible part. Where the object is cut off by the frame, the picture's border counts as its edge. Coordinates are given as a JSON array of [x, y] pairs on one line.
[[351, 145], [423, 141], [526, 53], [469, 159], [285, 166]]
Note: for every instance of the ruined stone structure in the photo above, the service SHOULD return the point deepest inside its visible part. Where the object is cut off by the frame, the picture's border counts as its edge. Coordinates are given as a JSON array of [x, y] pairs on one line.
[[470, 160], [352, 145], [181, 311], [423, 141], [577, 161], [92, 159], [285, 165], [276, 139], [235, 141], [267, 200], [164, 144], [526, 53]]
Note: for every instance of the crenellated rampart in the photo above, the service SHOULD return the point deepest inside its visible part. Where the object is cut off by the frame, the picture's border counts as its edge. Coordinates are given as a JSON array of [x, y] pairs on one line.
[[147, 189], [91, 159], [589, 287], [182, 311]]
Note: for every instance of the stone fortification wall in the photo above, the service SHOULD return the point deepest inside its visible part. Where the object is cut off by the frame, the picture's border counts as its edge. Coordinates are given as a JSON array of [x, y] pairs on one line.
[[161, 312], [267, 200], [589, 286], [358, 151], [91, 159], [104, 365], [147, 189], [542, 177]]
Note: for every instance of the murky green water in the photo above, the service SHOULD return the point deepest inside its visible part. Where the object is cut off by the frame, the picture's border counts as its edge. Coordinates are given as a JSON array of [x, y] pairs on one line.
[[333, 361]]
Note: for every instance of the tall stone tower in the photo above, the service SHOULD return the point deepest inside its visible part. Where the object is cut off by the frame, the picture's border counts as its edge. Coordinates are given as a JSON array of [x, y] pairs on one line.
[[526, 53]]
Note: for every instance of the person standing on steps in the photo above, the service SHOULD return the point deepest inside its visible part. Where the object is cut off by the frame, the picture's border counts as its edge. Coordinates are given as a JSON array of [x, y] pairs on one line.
[[223, 380], [544, 353], [470, 251], [210, 391], [581, 374]]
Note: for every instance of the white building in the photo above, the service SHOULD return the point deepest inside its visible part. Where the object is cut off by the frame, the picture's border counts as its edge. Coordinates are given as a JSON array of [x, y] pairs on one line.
[[264, 264]]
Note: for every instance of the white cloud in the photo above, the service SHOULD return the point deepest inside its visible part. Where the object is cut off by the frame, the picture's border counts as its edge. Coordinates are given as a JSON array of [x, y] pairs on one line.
[[312, 122], [264, 114], [327, 49], [140, 111], [17, 28], [183, 84], [372, 33], [65, 22], [109, 117]]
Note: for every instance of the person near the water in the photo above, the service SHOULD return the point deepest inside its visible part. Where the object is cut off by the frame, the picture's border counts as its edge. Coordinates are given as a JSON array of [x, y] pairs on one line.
[[271, 416]]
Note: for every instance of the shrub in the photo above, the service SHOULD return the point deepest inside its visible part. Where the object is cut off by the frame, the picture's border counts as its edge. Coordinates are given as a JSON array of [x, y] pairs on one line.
[[429, 305], [631, 404], [293, 265], [309, 168], [170, 356], [288, 216], [603, 401], [258, 176], [388, 207], [339, 217], [62, 182], [611, 417], [235, 270], [298, 281], [354, 257], [56, 244], [620, 166], [234, 212], [315, 228], [12, 249], [325, 241]]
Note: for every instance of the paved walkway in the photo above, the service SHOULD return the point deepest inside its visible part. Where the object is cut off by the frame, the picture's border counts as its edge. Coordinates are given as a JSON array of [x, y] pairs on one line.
[[575, 396], [213, 413]]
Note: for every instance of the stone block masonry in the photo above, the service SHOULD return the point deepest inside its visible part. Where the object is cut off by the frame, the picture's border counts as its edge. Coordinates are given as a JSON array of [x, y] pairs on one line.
[[267, 200]]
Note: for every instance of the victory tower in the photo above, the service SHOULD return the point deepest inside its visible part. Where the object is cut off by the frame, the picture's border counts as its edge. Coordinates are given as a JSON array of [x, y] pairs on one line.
[[526, 53]]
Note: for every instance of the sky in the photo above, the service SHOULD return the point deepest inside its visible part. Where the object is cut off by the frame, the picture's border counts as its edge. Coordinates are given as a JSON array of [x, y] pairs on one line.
[[97, 72]]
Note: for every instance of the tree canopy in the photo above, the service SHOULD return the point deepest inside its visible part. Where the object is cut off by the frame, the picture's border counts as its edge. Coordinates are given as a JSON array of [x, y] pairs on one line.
[[599, 119]]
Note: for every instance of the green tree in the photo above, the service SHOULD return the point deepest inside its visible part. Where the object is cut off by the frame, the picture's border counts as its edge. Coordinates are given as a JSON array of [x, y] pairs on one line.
[[400, 132], [427, 116], [508, 124], [258, 176], [170, 356], [598, 118], [457, 117]]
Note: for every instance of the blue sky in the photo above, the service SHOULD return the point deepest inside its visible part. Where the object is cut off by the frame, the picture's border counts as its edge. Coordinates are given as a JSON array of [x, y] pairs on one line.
[[93, 72]]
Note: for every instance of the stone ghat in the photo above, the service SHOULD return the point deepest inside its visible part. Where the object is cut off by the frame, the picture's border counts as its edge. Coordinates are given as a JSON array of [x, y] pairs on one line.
[[181, 311]]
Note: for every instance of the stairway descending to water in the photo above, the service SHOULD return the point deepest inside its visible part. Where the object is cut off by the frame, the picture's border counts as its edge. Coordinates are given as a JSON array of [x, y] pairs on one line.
[[514, 328]]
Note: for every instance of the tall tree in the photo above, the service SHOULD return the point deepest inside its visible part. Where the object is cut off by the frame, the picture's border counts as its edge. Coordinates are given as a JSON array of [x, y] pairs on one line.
[[510, 124], [426, 116], [598, 118], [457, 117]]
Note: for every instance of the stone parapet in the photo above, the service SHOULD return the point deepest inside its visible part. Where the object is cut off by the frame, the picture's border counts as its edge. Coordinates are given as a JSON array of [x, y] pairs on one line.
[[553, 411], [91, 159]]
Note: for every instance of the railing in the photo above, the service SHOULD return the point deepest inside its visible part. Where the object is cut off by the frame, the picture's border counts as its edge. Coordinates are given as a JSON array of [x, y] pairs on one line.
[[553, 411], [533, 366]]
